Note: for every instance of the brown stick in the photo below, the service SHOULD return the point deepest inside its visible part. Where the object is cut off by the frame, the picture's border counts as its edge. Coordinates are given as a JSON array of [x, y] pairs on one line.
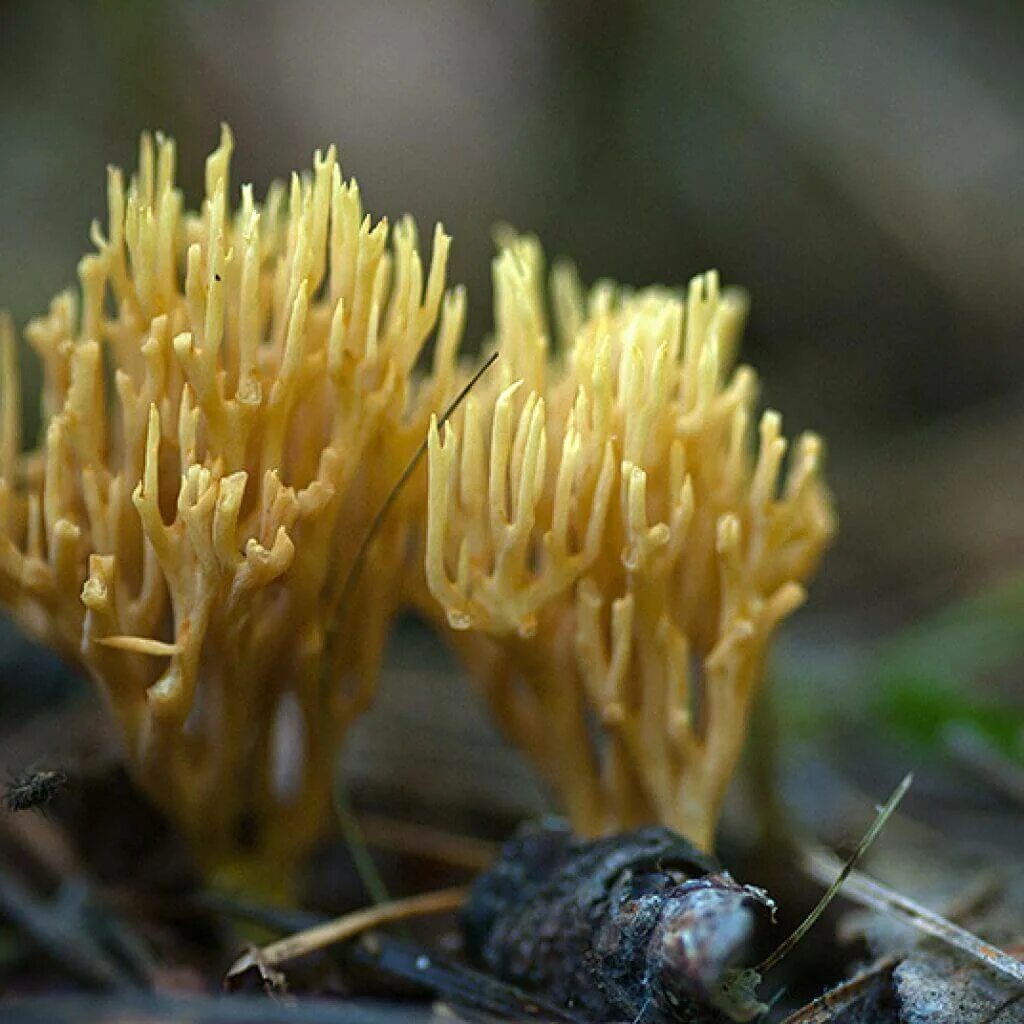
[[825, 1008], [348, 926], [867, 892], [413, 839], [971, 748]]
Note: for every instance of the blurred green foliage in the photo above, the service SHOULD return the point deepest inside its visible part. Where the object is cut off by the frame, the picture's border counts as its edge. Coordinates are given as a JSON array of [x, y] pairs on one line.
[[944, 671]]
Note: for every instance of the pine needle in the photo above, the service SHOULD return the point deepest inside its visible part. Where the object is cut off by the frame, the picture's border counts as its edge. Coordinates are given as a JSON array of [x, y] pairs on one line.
[[867, 892], [382, 513], [348, 926], [830, 893]]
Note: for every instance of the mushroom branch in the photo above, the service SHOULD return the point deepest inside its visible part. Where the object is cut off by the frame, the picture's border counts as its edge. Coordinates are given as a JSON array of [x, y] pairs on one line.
[[228, 398], [613, 540]]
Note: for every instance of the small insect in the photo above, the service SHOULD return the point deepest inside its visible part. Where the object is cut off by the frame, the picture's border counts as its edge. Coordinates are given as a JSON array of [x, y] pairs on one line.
[[34, 790]]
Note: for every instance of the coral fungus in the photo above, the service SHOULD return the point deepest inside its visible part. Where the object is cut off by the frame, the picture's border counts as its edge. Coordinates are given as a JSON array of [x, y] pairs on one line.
[[612, 554], [227, 400]]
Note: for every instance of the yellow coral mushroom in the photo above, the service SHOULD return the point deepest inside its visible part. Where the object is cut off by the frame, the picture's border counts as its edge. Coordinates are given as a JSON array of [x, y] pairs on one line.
[[227, 401], [611, 553]]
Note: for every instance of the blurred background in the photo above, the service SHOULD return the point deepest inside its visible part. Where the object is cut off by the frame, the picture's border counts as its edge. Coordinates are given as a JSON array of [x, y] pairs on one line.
[[856, 166]]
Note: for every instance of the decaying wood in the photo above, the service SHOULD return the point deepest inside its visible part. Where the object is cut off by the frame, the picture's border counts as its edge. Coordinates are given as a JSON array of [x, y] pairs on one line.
[[638, 926]]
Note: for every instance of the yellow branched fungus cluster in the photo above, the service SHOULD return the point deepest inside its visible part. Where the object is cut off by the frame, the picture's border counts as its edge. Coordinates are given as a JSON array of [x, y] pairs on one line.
[[227, 400], [612, 553], [229, 397]]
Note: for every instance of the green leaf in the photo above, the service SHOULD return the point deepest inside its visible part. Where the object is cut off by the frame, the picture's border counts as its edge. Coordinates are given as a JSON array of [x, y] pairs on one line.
[[928, 675]]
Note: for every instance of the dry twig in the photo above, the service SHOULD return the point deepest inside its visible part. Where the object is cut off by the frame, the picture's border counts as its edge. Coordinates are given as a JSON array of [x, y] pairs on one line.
[[973, 749], [407, 837], [826, 1008], [862, 889], [348, 926]]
